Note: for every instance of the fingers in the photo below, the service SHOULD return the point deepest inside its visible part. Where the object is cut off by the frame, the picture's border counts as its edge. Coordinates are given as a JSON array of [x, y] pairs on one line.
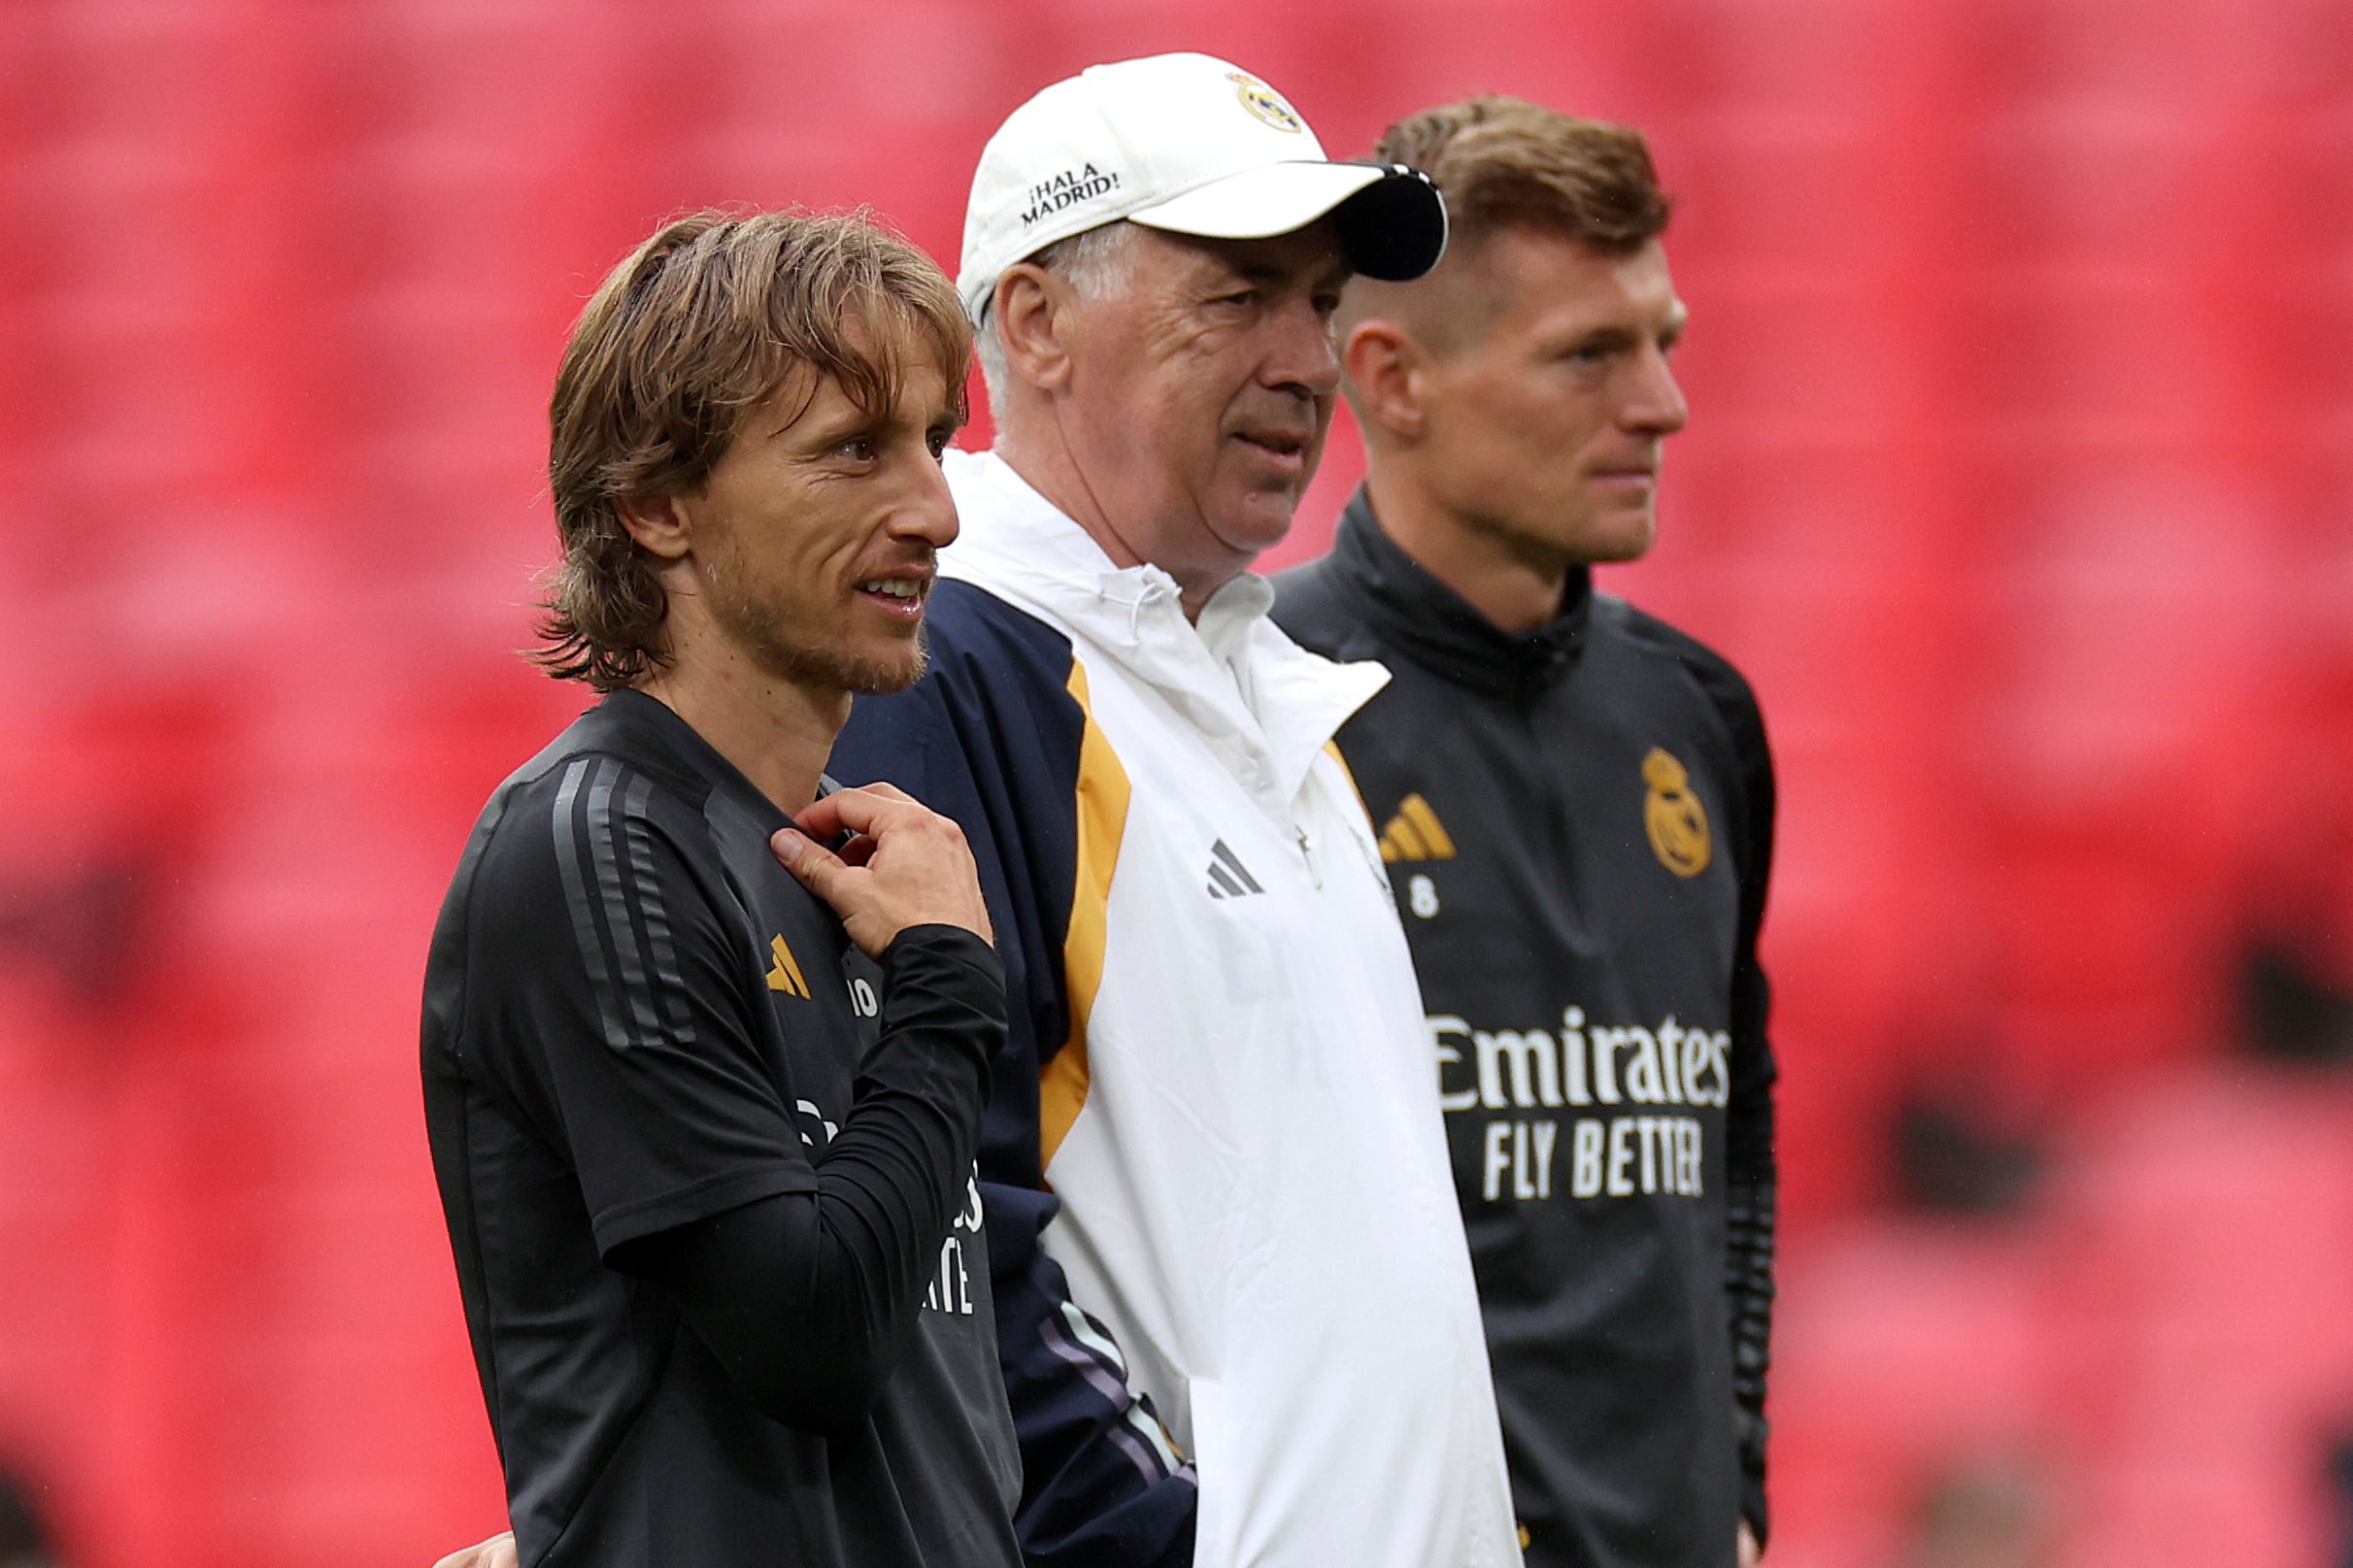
[[854, 811], [845, 811], [902, 865], [818, 867]]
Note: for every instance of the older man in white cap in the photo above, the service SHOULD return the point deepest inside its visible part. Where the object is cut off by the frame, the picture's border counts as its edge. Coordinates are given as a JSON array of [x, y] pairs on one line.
[[1222, 1231]]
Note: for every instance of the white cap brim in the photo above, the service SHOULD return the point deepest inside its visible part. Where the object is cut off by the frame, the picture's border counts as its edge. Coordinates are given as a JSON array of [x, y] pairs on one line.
[[1392, 221], [1257, 204]]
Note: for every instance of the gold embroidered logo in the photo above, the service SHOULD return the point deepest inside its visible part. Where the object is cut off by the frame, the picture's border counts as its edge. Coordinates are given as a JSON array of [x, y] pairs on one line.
[[1264, 102], [1675, 820], [1415, 833], [786, 977]]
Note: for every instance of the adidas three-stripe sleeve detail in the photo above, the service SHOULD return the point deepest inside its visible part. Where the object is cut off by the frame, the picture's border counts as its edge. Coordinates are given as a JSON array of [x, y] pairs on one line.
[[641, 1057]]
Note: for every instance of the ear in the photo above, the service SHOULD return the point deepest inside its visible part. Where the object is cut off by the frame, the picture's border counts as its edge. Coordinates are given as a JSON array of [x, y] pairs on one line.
[[1385, 367], [1027, 316], [657, 522]]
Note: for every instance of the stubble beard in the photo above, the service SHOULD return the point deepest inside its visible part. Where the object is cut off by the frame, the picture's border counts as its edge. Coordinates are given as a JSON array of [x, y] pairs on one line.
[[783, 649], [823, 668]]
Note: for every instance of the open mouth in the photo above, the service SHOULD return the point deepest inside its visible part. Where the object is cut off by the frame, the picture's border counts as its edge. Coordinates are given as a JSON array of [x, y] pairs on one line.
[[901, 596]]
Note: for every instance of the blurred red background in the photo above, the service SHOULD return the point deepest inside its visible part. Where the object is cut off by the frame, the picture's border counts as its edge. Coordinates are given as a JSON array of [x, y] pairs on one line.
[[2020, 481]]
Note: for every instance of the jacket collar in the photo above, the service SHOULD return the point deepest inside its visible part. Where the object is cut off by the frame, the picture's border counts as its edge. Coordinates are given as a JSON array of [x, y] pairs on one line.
[[1264, 705], [1431, 625]]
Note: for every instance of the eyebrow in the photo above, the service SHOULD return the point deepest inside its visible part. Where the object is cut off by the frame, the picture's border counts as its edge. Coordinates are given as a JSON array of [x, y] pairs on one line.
[[858, 422], [825, 431], [1604, 332], [1616, 333], [1260, 272]]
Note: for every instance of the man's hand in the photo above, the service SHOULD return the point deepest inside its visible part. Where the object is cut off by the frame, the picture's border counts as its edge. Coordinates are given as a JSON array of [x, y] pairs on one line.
[[907, 866], [498, 1552], [1750, 1552]]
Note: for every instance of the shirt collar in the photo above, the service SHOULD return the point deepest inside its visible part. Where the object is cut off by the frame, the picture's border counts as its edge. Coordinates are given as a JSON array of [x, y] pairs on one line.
[[1433, 626], [1233, 675], [1226, 620]]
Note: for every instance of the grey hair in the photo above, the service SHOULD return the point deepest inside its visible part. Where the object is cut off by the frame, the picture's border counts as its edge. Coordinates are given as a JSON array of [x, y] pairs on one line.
[[1095, 263]]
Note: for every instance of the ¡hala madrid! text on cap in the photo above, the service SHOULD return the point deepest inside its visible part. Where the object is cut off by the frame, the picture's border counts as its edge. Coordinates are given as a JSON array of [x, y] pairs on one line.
[[1085, 183]]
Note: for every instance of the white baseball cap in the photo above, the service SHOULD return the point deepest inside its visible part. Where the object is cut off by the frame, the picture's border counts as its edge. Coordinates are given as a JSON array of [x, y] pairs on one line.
[[1187, 144]]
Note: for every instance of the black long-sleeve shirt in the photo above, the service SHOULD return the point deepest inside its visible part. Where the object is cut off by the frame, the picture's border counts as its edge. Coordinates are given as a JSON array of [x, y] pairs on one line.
[[708, 1174], [808, 1297], [1579, 829]]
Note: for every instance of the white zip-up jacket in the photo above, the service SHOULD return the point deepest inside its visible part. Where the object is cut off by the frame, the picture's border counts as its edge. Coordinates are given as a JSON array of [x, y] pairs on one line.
[[1222, 1228]]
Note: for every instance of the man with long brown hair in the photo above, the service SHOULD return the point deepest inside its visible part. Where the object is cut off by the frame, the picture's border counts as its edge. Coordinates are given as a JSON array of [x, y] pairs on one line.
[[704, 1122], [1578, 809]]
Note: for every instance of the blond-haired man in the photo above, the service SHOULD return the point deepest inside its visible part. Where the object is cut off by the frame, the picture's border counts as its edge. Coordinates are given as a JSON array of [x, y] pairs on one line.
[[1578, 810]]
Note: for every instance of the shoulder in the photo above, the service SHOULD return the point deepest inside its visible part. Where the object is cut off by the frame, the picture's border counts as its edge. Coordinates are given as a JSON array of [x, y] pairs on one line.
[[583, 869], [981, 644], [1312, 603], [1728, 692], [590, 809], [610, 751]]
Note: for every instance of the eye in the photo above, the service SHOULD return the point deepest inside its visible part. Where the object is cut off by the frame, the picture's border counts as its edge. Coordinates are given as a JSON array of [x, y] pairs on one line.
[[858, 449], [938, 441], [1326, 304]]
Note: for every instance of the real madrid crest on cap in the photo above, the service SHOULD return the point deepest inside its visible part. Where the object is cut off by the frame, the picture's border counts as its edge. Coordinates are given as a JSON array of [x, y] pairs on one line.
[[1673, 815], [1264, 102]]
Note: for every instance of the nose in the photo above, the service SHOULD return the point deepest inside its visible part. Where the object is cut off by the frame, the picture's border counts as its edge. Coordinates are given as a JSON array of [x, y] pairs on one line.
[[928, 512], [1654, 403], [1300, 355]]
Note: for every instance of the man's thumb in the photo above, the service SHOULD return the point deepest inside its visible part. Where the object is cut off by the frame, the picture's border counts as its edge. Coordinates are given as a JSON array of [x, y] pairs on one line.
[[812, 862]]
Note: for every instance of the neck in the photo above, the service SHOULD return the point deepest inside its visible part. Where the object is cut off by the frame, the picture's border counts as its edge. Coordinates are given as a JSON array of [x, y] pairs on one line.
[[1045, 462], [1515, 590], [777, 732]]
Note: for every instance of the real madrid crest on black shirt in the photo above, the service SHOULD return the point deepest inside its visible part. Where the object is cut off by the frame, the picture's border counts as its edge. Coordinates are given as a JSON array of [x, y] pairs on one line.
[[1673, 815], [1577, 824]]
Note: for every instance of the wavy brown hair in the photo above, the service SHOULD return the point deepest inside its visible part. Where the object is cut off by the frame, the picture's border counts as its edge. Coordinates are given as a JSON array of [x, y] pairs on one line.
[[1504, 163], [702, 325]]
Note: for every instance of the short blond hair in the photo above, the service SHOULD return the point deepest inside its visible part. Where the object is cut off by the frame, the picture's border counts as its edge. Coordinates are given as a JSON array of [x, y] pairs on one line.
[[699, 325], [1505, 162]]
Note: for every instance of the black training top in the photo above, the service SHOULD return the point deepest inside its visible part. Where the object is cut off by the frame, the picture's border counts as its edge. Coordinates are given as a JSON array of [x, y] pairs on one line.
[[708, 1178], [1579, 826]]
